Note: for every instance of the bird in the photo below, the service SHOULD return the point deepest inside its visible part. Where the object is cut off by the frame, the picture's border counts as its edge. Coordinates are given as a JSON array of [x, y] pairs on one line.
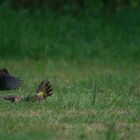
[[8, 81], [43, 91]]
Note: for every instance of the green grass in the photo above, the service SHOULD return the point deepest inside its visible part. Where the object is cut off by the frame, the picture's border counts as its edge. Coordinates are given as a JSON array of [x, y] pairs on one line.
[[92, 62], [43, 35], [90, 100]]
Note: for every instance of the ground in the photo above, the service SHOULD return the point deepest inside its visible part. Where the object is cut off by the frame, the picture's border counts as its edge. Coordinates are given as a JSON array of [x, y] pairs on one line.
[[91, 100]]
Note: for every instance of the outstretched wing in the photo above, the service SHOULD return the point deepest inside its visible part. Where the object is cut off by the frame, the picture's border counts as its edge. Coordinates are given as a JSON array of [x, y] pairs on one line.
[[12, 99], [44, 89], [39, 87], [8, 82]]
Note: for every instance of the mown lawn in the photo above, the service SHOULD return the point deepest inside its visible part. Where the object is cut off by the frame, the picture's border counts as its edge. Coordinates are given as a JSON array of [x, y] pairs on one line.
[[91, 100]]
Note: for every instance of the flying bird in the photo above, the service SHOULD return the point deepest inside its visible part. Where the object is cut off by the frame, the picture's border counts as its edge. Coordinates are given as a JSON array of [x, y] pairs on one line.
[[43, 91], [8, 82]]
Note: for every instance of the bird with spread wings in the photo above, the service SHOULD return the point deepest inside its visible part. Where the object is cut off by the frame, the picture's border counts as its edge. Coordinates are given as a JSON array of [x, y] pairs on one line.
[[9, 82]]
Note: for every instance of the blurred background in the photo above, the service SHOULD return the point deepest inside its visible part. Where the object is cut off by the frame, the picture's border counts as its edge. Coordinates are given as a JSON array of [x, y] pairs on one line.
[[99, 30], [90, 52]]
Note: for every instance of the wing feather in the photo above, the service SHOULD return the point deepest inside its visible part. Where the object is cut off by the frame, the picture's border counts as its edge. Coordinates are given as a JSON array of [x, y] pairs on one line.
[[8, 82]]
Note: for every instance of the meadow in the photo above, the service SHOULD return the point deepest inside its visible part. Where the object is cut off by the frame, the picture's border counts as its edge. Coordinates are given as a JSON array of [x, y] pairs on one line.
[[90, 101], [93, 66]]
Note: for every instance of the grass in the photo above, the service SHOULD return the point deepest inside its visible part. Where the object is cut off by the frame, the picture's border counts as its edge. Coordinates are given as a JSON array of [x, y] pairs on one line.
[[92, 62], [43, 35], [90, 100]]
